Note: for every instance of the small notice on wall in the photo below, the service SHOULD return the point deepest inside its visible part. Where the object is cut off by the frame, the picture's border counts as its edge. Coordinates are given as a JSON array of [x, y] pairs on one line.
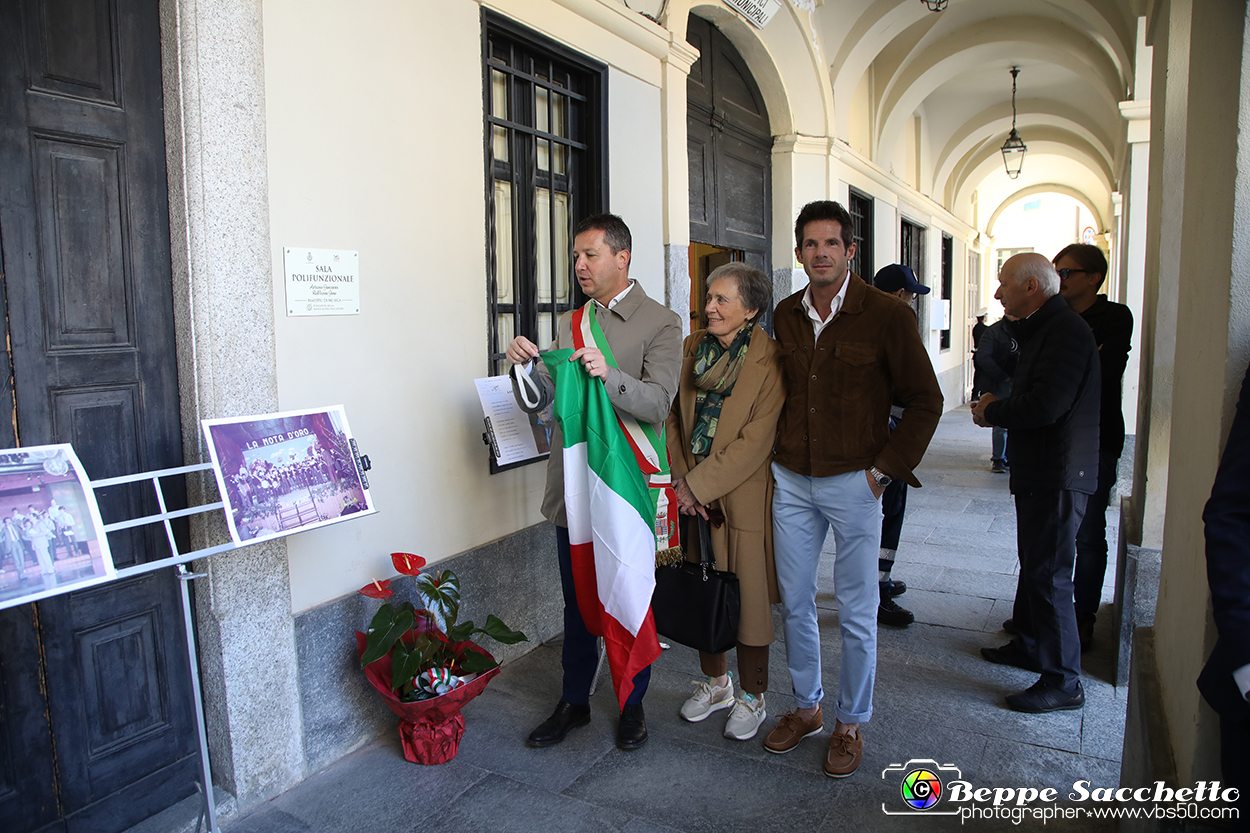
[[321, 281], [759, 12]]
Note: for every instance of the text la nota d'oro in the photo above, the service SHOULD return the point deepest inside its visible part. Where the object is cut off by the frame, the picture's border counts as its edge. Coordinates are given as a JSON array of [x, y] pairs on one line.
[[277, 438]]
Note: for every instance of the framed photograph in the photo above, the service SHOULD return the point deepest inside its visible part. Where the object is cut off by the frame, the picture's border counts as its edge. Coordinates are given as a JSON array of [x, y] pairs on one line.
[[51, 537], [287, 472]]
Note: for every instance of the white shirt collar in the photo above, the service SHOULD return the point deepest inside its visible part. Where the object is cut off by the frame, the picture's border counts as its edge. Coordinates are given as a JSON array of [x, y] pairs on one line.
[[835, 307], [618, 298]]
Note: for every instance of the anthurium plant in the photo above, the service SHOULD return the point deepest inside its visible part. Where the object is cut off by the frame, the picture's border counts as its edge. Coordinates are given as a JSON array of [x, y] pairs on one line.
[[420, 639]]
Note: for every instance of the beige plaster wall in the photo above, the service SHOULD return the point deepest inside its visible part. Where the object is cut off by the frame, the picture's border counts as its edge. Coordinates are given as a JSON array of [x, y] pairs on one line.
[[375, 145]]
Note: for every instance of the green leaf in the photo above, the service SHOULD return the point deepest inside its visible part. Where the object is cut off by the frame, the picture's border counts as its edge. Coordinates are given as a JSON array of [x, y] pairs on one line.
[[500, 632], [381, 620], [404, 666], [461, 632], [474, 663], [384, 631], [440, 591]]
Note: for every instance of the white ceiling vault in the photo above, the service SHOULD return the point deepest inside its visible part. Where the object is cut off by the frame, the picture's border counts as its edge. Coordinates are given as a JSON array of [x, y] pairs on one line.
[[952, 69], [930, 92]]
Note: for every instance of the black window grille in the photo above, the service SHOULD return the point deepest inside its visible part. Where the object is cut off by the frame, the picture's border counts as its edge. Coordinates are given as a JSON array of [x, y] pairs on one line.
[[546, 169], [911, 250], [948, 284], [860, 208]]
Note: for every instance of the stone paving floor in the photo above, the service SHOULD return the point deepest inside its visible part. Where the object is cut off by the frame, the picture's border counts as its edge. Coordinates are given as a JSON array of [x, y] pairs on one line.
[[936, 698]]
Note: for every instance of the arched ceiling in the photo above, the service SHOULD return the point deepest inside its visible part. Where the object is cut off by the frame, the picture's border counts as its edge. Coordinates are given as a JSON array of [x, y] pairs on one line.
[[1076, 60]]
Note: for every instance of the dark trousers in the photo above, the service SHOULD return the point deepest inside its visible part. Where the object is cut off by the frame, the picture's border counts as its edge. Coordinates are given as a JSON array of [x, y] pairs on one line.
[[1091, 541], [893, 507], [581, 651], [1046, 524], [1234, 741]]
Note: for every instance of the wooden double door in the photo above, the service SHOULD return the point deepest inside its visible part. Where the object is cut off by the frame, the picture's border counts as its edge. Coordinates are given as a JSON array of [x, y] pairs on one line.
[[97, 730], [729, 146]]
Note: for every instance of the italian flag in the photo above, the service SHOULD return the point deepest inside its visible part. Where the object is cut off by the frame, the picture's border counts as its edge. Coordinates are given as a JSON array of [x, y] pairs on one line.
[[611, 512]]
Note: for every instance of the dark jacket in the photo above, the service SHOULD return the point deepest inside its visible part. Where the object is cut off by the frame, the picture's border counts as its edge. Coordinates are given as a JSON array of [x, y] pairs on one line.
[[1112, 324], [1227, 519], [838, 391], [1051, 416], [978, 333], [996, 358]]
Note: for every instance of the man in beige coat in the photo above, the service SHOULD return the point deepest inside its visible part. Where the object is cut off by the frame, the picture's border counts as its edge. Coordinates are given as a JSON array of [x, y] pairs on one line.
[[645, 338]]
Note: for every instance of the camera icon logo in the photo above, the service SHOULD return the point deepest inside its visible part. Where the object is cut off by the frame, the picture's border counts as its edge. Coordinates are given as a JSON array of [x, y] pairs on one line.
[[922, 783]]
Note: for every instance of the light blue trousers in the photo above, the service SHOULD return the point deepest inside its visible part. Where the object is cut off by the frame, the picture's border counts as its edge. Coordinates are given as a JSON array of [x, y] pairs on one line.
[[998, 445], [804, 508]]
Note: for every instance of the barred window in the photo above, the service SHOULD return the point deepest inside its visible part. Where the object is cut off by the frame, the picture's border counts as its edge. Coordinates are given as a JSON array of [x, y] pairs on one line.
[[860, 207], [546, 165]]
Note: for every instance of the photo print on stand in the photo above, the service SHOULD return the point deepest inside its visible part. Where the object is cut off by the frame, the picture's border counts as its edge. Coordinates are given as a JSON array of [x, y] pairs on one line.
[[286, 472], [51, 537]]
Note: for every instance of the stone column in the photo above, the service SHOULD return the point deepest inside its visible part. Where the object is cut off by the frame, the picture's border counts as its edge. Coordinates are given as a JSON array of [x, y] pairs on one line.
[[802, 172], [1132, 249], [1158, 316], [1200, 334], [676, 69], [223, 290]]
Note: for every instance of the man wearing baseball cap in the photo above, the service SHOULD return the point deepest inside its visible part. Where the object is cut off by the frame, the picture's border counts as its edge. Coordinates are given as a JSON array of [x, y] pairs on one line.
[[899, 281]]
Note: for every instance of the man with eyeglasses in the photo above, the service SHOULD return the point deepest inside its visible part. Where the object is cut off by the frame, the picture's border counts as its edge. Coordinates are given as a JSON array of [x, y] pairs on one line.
[[1082, 269]]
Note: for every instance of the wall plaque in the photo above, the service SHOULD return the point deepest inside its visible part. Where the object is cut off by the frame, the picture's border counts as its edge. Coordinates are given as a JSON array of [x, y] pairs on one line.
[[321, 281]]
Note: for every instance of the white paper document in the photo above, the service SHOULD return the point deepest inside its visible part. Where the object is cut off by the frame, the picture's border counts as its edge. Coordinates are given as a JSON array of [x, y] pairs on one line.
[[514, 434]]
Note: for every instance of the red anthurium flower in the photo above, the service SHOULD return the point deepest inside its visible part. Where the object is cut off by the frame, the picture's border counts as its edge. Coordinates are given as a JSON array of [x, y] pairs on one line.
[[407, 563], [378, 589]]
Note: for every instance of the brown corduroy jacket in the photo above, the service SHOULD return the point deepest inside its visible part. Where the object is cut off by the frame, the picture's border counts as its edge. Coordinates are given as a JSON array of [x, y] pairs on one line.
[[839, 390]]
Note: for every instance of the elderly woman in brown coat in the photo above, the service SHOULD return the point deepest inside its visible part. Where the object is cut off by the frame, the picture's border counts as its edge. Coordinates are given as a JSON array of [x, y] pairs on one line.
[[720, 439]]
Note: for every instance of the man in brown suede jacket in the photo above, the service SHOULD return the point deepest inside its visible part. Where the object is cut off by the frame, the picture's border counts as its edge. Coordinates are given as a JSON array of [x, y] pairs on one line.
[[850, 352]]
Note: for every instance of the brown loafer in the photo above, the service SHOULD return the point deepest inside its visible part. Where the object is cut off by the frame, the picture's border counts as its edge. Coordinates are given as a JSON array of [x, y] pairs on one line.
[[844, 755], [791, 729]]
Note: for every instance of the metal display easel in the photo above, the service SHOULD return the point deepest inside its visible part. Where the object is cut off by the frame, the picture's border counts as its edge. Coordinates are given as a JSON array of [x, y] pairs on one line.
[[179, 561]]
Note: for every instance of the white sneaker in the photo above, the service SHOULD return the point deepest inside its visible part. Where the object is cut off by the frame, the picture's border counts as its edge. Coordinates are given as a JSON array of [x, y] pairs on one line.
[[746, 718], [708, 698]]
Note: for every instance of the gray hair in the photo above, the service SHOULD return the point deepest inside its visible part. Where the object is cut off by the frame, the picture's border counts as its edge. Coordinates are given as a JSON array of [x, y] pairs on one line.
[[754, 287], [1042, 271]]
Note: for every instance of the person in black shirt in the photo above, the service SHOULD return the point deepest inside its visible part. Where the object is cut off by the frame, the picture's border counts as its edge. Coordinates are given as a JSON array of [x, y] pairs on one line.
[[1082, 269], [997, 353], [978, 331]]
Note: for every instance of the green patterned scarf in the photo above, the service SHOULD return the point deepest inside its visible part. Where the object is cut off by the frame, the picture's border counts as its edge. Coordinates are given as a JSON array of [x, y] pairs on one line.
[[715, 372]]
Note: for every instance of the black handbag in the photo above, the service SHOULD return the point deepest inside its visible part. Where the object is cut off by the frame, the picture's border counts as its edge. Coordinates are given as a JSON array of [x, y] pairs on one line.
[[696, 604]]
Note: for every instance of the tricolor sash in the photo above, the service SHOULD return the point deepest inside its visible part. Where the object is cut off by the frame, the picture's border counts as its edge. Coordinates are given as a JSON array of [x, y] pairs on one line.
[[616, 478]]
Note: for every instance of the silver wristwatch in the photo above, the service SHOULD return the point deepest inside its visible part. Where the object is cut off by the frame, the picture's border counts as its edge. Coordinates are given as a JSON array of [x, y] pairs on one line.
[[881, 477]]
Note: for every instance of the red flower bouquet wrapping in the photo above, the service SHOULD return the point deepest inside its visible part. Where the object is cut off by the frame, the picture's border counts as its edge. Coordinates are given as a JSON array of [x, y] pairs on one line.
[[412, 654], [430, 730]]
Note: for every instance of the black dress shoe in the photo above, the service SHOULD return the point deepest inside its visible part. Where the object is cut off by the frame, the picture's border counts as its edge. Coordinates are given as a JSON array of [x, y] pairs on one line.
[[889, 612], [553, 729], [631, 732], [1011, 654], [1042, 697], [895, 588]]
